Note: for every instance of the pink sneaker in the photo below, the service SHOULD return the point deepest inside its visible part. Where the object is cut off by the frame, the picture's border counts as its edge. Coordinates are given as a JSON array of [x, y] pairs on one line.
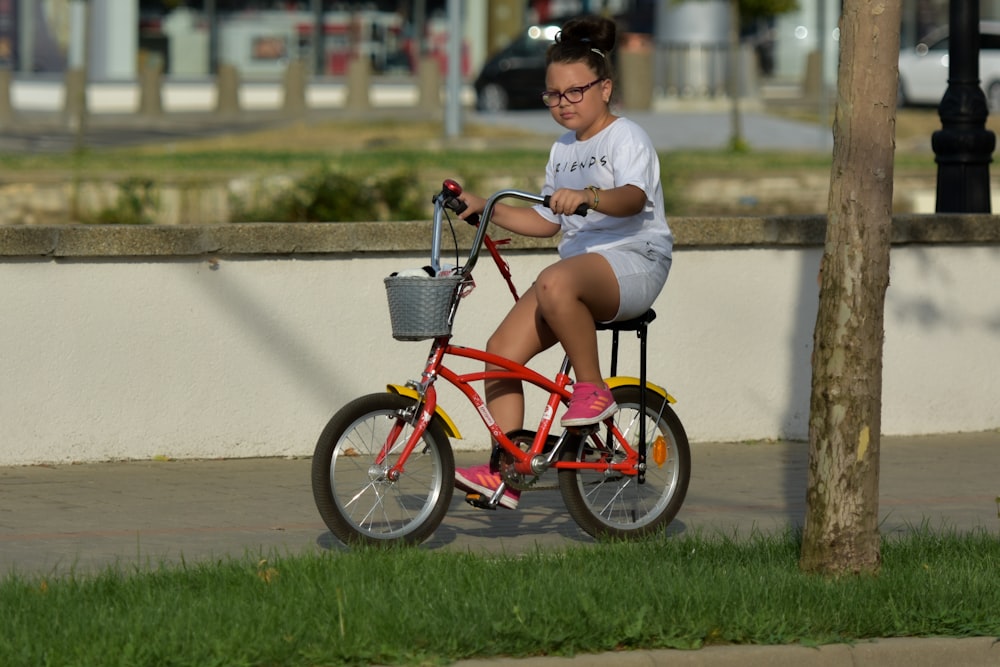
[[591, 404], [482, 480]]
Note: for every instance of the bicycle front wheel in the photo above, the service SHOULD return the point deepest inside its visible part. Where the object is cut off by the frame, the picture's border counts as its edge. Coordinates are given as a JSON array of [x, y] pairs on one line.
[[358, 498], [608, 504]]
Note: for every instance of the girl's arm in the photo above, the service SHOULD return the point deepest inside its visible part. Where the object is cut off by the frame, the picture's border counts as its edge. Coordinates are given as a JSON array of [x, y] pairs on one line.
[[621, 202], [518, 219]]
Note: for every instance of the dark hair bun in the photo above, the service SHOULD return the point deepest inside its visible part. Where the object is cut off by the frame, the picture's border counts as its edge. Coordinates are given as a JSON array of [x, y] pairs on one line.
[[590, 32]]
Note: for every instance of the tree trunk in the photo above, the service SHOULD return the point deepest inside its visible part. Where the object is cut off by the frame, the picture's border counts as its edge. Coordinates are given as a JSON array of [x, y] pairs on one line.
[[841, 525]]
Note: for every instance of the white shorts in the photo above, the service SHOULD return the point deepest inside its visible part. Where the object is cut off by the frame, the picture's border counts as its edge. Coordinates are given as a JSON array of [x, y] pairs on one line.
[[642, 271]]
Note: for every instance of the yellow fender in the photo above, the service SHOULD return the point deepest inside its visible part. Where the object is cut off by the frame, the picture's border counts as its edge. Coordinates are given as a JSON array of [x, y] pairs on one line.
[[624, 380], [449, 425]]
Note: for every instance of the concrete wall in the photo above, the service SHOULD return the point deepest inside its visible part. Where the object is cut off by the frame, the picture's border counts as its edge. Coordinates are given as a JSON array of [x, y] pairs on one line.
[[242, 340]]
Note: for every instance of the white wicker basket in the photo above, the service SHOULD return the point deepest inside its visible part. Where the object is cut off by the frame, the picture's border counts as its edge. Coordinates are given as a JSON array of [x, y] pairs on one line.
[[420, 307]]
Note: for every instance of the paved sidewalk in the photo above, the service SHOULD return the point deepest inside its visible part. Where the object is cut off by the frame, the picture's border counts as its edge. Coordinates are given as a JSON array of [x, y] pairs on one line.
[[54, 519], [935, 652], [81, 518]]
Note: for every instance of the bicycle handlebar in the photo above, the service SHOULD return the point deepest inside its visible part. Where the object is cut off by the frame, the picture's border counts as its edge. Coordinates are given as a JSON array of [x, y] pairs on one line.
[[448, 198], [580, 210]]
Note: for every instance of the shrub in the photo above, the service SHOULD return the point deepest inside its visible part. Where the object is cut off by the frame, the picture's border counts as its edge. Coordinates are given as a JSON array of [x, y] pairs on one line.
[[136, 204], [326, 195]]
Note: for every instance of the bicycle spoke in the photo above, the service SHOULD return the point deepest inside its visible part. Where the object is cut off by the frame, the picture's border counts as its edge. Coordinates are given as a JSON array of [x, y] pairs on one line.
[[351, 474], [611, 503]]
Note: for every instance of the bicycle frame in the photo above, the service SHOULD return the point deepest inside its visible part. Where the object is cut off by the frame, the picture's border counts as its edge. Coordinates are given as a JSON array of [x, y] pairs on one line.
[[533, 461]]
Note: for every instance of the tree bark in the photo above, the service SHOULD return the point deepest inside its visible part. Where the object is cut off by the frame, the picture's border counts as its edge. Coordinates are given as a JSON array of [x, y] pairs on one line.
[[841, 525]]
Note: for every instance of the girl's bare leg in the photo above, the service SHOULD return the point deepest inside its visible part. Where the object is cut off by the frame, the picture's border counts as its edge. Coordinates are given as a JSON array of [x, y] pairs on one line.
[[571, 295], [560, 307], [520, 336]]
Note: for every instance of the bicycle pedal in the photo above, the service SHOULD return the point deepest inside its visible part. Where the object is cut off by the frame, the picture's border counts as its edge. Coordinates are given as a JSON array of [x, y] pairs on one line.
[[590, 429], [480, 501]]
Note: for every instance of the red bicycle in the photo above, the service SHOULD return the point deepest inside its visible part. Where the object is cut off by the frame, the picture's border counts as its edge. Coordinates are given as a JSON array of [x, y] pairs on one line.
[[383, 470]]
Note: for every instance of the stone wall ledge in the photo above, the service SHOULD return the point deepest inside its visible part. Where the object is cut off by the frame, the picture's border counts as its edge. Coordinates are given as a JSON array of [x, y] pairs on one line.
[[90, 241]]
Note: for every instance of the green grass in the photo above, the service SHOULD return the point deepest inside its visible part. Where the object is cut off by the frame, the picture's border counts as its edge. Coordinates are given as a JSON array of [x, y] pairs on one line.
[[415, 606], [513, 160], [395, 144], [191, 163], [486, 159], [422, 171]]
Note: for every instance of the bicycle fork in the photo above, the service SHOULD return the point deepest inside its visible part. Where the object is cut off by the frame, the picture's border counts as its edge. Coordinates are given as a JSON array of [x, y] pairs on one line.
[[419, 416]]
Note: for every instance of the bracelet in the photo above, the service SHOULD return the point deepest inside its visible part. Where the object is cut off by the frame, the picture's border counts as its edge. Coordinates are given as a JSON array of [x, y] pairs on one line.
[[597, 195]]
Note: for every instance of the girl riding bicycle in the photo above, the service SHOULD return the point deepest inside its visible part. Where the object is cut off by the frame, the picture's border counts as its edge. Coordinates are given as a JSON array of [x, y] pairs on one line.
[[613, 261]]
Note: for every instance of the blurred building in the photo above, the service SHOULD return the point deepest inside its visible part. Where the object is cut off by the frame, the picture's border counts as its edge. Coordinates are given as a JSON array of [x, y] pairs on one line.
[[190, 38]]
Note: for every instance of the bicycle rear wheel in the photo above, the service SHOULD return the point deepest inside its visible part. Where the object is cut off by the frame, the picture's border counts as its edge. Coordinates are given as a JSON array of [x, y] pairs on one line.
[[608, 504], [354, 493]]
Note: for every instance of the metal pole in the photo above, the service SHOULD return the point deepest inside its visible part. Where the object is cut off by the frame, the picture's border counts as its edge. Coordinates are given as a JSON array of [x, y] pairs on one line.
[[78, 70], [319, 39], [736, 141], [453, 105], [212, 17], [78, 17], [420, 27], [822, 42], [26, 38], [963, 148]]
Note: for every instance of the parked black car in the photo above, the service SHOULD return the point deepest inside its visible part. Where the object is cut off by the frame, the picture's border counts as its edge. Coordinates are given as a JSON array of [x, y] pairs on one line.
[[514, 78]]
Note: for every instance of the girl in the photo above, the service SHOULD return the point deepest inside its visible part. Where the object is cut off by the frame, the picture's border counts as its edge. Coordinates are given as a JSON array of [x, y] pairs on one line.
[[613, 261]]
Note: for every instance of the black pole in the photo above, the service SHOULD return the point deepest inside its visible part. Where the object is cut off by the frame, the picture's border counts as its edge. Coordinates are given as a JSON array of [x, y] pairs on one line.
[[319, 39], [212, 17], [963, 148]]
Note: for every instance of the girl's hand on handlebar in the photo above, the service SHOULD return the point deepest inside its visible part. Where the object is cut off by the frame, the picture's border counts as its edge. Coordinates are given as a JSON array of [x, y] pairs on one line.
[[566, 201], [569, 202], [474, 205]]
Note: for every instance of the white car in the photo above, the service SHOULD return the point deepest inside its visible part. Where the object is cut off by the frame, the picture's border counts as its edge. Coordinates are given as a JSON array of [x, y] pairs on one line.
[[923, 70]]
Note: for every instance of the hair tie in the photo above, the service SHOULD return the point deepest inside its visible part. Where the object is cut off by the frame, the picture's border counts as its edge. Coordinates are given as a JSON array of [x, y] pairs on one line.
[[583, 40]]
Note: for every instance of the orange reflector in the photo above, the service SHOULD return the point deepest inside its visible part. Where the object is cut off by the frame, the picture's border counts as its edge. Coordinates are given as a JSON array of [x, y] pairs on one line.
[[660, 451]]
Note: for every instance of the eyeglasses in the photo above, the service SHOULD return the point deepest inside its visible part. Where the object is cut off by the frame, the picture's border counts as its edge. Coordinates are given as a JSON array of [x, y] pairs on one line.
[[551, 98]]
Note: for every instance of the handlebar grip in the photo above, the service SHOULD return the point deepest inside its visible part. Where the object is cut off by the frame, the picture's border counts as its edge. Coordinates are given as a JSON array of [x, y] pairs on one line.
[[457, 205], [580, 210], [450, 190]]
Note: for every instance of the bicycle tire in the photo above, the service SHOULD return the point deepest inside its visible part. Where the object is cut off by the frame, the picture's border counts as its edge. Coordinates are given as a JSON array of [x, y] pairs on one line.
[[616, 506], [355, 498]]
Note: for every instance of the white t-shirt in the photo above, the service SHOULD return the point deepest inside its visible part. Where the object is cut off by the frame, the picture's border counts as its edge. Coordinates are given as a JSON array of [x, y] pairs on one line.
[[620, 154]]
